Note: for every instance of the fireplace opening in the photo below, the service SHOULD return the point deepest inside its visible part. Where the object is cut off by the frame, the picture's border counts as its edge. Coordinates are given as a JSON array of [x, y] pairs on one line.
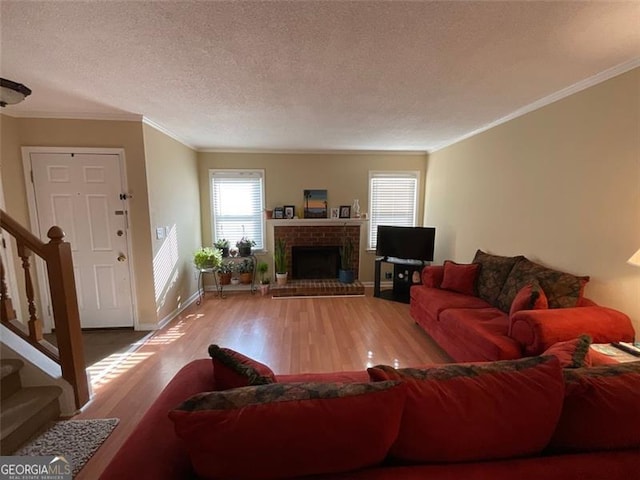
[[315, 262]]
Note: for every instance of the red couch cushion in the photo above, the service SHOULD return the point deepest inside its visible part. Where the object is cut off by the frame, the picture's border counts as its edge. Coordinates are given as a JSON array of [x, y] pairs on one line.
[[459, 277], [290, 430], [572, 353], [458, 413], [432, 276], [482, 332], [435, 300], [232, 369], [601, 409]]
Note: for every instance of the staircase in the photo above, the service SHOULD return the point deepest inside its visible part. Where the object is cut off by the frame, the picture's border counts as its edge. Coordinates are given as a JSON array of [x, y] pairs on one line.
[[24, 411]]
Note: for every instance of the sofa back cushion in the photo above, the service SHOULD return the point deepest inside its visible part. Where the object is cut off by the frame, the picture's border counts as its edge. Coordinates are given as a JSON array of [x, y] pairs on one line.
[[460, 277], [290, 430], [494, 270], [601, 409], [232, 369], [562, 289], [458, 413]]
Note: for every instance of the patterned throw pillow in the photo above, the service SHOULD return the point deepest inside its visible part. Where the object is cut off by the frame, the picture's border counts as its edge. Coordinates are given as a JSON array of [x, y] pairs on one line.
[[562, 289], [290, 430], [572, 353], [460, 277], [232, 369], [458, 413], [494, 270]]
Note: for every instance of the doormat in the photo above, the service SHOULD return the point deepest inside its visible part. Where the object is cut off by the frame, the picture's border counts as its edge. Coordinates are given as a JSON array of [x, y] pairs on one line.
[[76, 440]]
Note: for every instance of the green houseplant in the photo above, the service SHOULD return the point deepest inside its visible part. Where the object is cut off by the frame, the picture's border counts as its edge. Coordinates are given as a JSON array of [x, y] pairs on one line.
[[245, 269], [346, 273], [207, 257], [280, 261], [263, 267], [225, 270], [244, 246], [222, 244]]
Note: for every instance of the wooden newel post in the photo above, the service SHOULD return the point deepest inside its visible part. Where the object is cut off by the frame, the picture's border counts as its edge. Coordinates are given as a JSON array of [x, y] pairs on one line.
[[66, 316]]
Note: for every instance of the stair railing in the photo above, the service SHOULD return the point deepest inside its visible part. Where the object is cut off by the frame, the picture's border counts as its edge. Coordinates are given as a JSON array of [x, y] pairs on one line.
[[56, 254]]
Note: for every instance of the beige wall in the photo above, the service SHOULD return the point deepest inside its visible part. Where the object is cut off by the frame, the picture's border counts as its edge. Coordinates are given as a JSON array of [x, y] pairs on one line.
[[174, 202], [560, 185], [344, 176], [19, 132]]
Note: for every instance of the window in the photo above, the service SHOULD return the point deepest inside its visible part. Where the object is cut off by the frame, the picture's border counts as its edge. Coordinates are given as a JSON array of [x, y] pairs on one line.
[[237, 203], [393, 197]]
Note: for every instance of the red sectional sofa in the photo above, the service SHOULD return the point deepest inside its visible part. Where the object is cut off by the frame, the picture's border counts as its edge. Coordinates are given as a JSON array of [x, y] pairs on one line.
[[525, 419], [500, 308]]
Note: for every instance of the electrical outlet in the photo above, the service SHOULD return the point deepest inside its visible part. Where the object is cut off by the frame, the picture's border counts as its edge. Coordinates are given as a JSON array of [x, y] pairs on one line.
[[160, 233], [388, 275]]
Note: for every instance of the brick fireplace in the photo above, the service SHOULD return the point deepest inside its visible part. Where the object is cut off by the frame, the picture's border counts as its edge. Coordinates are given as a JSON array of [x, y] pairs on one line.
[[313, 235]]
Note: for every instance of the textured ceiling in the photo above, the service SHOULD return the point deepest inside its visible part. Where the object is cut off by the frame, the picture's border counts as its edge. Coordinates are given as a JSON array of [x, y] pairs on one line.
[[308, 75]]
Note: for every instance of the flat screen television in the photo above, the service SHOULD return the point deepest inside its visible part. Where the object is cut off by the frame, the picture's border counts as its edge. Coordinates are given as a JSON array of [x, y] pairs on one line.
[[411, 243]]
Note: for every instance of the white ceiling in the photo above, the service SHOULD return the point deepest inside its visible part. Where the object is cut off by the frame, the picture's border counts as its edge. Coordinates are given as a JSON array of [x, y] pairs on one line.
[[310, 75]]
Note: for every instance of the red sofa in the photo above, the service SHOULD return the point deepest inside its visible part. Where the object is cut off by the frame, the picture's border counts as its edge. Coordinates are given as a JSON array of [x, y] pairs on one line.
[[608, 448], [471, 311]]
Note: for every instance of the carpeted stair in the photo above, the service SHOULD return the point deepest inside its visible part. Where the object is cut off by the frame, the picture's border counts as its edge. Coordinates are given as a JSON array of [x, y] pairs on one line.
[[24, 411]]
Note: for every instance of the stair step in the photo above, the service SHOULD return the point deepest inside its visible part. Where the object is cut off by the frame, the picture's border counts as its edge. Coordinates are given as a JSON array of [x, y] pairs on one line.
[[26, 412], [10, 377]]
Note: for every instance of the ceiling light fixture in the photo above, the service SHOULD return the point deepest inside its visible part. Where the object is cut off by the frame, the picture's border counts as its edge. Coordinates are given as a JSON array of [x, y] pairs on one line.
[[12, 92]]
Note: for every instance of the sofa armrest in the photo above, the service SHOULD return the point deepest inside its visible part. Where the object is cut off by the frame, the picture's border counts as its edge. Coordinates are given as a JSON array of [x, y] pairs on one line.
[[537, 330], [153, 451]]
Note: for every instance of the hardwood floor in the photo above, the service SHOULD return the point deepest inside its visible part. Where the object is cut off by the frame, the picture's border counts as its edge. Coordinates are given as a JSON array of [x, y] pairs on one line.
[[291, 335]]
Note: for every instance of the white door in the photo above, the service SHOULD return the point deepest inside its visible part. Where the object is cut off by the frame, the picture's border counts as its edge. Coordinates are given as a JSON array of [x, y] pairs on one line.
[[81, 194]]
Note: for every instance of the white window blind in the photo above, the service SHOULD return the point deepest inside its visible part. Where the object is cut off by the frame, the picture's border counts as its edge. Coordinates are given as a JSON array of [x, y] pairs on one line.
[[237, 203], [393, 199]]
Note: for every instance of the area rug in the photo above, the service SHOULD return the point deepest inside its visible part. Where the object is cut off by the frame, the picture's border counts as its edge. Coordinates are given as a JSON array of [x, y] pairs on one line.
[[76, 440]]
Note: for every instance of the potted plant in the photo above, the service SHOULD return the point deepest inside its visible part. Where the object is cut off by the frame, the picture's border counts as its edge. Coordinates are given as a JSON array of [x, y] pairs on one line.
[[346, 273], [245, 269], [244, 246], [263, 267], [225, 270], [222, 245], [207, 257], [280, 261]]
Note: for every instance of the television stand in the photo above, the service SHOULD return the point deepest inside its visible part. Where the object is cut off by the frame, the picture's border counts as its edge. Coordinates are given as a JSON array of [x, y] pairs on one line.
[[403, 270]]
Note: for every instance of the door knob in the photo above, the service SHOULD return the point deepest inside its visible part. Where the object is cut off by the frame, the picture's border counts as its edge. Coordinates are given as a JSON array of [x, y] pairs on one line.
[[121, 258]]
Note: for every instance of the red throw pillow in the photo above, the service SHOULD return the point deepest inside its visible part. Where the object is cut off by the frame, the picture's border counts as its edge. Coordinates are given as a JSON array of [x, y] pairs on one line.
[[529, 297], [232, 369], [432, 276], [572, 353], [470, 412], [601, 409], [460, 277], [290, 430]]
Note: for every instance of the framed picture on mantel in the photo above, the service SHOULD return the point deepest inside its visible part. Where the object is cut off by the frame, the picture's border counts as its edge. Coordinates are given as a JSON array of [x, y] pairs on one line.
[[315, 204]]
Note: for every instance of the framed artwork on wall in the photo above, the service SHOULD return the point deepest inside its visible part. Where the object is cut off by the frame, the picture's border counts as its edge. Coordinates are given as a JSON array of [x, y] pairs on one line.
[[315, 204], [345, 211]]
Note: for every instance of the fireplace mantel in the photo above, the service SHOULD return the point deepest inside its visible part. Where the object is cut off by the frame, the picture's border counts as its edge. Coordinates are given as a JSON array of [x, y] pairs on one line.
[[314, 222]]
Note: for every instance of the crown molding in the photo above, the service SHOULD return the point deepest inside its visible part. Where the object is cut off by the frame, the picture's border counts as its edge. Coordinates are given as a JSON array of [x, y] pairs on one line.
[[312, 152], [168, 133], [549, 99], [126, 117]]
